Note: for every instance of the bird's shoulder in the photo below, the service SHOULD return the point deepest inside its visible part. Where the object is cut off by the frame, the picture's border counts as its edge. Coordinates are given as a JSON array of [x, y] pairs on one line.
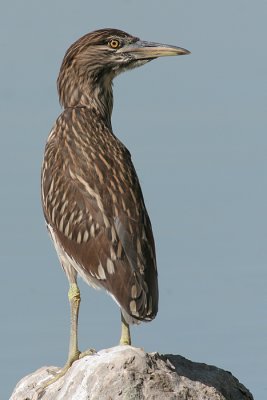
[[82, 153]]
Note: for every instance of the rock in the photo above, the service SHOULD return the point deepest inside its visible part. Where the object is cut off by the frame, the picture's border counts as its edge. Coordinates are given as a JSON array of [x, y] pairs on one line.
[[128, 373]]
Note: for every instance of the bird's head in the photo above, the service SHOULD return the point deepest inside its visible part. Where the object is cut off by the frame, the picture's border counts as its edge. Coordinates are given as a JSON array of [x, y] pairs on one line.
[[95, 59]]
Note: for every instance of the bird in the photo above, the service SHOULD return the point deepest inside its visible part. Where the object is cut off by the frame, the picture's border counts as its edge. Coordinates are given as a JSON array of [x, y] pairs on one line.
[[91, 196]]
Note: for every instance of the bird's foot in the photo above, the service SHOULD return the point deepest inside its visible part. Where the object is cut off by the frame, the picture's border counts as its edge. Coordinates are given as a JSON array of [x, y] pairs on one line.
[[88, 352], [57, 375], [81, 354]]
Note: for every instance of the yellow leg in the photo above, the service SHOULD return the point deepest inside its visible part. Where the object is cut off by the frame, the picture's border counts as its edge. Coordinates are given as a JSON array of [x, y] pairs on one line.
[[74, 353], [75, 300], [125, 332]]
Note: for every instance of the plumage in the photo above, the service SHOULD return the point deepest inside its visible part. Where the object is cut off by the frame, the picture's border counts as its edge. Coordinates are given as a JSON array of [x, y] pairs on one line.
[[91, 196], [94, 224]]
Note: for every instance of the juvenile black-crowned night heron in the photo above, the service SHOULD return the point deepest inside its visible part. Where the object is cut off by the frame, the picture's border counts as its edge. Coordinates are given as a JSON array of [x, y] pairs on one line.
[[92, 200]]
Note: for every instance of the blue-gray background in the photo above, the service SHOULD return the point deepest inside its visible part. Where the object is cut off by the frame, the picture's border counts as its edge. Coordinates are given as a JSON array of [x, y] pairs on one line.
[[196, 128]]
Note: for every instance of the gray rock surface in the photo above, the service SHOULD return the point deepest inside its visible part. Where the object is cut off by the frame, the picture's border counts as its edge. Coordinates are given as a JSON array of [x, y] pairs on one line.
[[128, 373]]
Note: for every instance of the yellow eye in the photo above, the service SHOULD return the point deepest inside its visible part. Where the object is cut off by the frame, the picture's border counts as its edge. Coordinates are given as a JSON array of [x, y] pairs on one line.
[[114, 43]]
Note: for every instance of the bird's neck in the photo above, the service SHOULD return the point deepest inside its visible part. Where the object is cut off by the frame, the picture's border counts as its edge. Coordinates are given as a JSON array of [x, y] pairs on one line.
[[94, 92]]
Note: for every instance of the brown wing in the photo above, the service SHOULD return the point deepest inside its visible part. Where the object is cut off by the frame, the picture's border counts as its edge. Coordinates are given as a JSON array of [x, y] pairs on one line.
[[93, 201]]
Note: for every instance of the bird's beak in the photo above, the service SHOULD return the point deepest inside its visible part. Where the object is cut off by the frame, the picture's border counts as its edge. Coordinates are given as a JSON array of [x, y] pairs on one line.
[[141, 50]]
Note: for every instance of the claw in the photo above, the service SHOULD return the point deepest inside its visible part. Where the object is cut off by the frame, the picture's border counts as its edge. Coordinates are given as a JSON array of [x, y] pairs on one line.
[[89, 352], [57, 375], [52, 372]]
